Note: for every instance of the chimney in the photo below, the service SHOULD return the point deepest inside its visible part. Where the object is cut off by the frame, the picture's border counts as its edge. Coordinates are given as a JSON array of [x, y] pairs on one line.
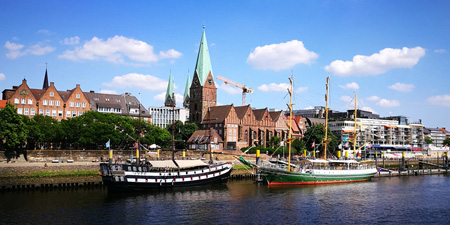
[[52, 84]]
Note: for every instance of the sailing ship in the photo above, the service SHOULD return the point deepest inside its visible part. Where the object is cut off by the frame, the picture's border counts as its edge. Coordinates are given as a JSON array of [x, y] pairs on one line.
[[316, 171], [162, 174]]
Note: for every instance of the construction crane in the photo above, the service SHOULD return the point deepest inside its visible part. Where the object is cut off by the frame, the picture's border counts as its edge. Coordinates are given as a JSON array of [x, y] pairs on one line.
[[244, 88]]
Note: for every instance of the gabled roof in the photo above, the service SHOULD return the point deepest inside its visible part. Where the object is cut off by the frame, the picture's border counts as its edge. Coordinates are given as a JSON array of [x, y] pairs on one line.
[[217, 114], [259, 113], [241, 110], [203, 66], [202, 136], [275, 115]]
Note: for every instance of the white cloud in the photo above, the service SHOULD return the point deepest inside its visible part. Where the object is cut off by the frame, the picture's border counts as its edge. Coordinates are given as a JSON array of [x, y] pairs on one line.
[[440, 51], [141, 81], [113, 92], [179, 99], [442, 100], [71, 41], [309, 107], [388, 103], [280, 56], [115, 50], [2, 76], [373, 98], [377, 63], [274, 87], [352, 85], [16, 50], [347, 99], [366, 108], [301, 89], [160, 97], [229, 89], [402, 87], [45, 32]]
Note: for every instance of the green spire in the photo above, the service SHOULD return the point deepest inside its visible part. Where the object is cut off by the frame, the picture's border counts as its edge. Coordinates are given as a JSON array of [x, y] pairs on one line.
[[188, 85], [169, 101], [203, 66]]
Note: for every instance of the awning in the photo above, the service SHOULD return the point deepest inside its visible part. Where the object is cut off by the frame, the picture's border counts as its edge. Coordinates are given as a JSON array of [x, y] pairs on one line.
[[190, 163], [163, 164]]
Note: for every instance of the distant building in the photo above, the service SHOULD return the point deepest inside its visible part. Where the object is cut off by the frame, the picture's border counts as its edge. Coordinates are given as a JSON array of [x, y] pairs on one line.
[[60, 105], [436, 134]]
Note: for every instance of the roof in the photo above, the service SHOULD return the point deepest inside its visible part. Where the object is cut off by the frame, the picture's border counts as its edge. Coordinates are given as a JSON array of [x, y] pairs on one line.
[[202, 136], [181, 163], [259, 113], [275, 115], [241, 110], [203, 66], [217, 114], [3, 104]]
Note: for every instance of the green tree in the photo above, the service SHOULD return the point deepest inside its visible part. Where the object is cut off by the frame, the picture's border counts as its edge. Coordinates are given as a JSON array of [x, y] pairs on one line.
[[13, 131], [428, 140], [182, 133], [316, 134], [275, 141]]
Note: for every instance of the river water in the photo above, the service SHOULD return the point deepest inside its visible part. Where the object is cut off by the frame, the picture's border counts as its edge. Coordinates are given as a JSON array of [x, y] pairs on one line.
[[392, 200]]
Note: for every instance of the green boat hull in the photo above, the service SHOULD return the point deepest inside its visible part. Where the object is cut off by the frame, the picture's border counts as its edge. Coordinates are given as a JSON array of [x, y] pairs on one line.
[[278, 177]]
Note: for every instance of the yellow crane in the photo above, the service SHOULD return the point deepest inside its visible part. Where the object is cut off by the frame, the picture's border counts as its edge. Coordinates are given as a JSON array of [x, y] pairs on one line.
[[244, 88]]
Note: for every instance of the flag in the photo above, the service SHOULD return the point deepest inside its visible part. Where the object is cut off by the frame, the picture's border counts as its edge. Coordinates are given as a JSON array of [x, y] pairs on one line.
[[313, 144], [346, 145], [135, 145], [345, 139], [107, 143]]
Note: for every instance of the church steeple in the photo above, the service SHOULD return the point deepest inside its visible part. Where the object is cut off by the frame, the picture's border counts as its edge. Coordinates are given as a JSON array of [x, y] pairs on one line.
[[186, 92], [170, 96], [45, 85], [203, 66], [203, 91]]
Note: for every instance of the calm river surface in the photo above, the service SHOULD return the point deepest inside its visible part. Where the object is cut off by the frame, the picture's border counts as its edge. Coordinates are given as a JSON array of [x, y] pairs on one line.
[[395, 200]]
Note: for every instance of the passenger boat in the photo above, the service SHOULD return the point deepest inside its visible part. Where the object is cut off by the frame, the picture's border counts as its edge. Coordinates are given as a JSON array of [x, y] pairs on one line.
[[316, 171], [163, 174]]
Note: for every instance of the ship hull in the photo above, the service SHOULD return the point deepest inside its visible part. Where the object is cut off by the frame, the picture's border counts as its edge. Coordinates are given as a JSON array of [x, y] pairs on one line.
[[279, 177], [116, 180]]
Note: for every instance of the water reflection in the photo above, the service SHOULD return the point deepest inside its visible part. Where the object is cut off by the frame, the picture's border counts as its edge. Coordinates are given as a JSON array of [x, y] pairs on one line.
[[398, 200]]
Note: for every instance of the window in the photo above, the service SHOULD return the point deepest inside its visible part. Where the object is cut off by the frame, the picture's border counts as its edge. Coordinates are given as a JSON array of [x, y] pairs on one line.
[[57, 103], [52, 94], [83, 105], [50, 103], [234, 132], [19, 111], [44, 102], [77, 104], [33, 112], [246, 136], [80, 113], [230, 132], [71, 104], [23, 101], [60, 113], [74, 113], [54, 112], [26, 111], [47, 112], [30, 101], [41, 111], [68, 114], [77, 96], [16, 101]]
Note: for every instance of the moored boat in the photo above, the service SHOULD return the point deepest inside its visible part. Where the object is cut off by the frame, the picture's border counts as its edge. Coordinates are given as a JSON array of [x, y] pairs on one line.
[[163, 174], [316, 171]]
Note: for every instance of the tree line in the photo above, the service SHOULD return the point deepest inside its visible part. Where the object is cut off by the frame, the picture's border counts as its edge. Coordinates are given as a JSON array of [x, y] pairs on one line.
[[92, 130]]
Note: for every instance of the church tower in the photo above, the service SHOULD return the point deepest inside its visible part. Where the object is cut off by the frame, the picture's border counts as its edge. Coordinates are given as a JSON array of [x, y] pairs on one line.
[[45, 85], [203, 91], [170, 96]]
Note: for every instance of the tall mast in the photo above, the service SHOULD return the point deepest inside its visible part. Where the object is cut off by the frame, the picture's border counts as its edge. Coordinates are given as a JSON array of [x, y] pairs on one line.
[[173, 126], [354, 116], [325, 141], [138, 154], [291, 79]]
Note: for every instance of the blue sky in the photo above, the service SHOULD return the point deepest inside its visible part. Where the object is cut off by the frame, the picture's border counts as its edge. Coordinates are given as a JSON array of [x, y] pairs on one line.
[[393, 54]]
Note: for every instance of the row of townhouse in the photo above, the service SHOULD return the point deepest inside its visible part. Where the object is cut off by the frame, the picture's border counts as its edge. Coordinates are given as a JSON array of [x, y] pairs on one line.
[[61, 105]]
